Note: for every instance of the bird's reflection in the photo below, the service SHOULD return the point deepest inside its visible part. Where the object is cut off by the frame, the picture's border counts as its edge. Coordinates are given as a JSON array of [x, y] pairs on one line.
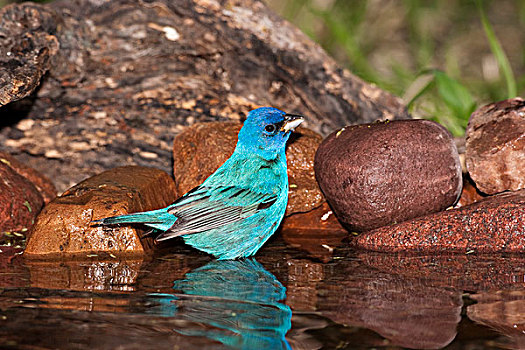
[[237, 303]]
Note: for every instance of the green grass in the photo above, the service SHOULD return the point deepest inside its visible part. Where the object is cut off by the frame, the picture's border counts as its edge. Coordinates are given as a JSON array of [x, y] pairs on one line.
[[445, 58]]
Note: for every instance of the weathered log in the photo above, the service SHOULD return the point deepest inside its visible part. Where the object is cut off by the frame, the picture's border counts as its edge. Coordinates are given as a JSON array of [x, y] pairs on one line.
[[121, 78]]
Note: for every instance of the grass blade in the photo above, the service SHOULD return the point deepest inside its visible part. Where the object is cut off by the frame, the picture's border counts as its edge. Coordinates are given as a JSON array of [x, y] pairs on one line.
[[498, 52]]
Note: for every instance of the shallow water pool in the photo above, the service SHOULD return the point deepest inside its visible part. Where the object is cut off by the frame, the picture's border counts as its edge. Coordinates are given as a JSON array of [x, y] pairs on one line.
[[308, 296]]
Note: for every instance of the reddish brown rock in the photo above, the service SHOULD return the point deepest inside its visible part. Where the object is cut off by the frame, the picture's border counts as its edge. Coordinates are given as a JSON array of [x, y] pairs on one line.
[[64, 226], [23, 192], [203, 148], [42, 183], [378, 174], [111, 274], [409, 312], [478, 272], [317, 232], [469, 194], [20, 200], [495, 224], [495, 146]]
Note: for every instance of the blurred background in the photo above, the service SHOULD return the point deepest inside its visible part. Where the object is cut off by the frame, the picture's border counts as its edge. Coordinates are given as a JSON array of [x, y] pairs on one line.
[[443, 57]]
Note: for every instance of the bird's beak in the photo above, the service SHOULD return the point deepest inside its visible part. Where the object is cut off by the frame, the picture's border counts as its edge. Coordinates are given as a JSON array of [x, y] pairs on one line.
[[291, 121]]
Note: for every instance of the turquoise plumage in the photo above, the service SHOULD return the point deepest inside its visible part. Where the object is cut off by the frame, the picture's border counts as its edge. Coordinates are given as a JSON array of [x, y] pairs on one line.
[[234, 212], [238, 303]]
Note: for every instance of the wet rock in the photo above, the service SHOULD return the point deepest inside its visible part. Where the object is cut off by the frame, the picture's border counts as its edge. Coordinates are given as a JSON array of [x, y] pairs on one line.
[[483, 272], [469, 193], [494, 224], [378, 174], [303, 281], [64, 226], [42, 183], [501, 310], [110, 275], [203, 148], [23, 192], [495, 146], [409, 312], [317, 232], [20, 200]]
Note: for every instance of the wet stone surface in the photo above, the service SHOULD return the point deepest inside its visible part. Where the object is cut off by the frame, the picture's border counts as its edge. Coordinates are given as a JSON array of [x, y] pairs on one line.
[[494, 224], [203, 148], [378, 174], [317, 232], [502, 311], [42, 183], [284, 298], [495, 146], [64, 226], [20, 200]]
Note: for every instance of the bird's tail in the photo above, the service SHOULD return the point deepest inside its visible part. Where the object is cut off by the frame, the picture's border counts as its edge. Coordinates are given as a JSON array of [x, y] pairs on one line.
[[158, 219]]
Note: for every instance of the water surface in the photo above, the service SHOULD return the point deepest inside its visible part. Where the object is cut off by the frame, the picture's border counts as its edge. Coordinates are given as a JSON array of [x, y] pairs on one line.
[[304, 294]]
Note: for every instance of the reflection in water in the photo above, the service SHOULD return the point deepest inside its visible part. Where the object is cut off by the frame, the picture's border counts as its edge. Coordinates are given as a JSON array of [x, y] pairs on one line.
[[405, 311], [462, 272], [356, 300], [114, 275], [503, 311], [238, 302]]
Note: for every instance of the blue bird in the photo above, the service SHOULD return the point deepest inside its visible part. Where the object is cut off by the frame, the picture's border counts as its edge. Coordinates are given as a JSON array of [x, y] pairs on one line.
[[234, 212], [238, 303]]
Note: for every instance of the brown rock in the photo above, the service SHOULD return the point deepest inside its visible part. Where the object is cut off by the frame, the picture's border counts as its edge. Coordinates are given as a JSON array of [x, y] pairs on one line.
[[200, 149], [42, 183], [23, 192], [317, 232], [20, 201], [111, 274], [377, 174], [477, 272], [304, 194], [469, 194], [495, 146], [203, 148], [64, 226], [495, 224]]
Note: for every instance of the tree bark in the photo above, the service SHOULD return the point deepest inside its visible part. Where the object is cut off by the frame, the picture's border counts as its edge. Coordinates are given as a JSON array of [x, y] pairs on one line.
[[106, 83]]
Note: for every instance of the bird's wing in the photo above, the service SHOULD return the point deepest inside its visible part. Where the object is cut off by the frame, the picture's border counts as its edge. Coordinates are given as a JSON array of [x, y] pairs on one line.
[[206, 208]]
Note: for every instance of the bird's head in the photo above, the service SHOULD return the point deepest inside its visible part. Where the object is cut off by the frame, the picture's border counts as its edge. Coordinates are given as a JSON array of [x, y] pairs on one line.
[[266, 131]]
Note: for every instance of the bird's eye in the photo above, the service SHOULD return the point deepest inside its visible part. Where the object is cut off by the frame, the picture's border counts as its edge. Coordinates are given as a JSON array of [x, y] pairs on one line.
[[270, 128]]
